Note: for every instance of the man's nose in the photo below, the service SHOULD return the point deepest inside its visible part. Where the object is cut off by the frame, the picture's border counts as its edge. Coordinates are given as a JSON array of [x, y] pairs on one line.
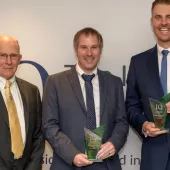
[[89, 53], [164, 21], [8, 59]]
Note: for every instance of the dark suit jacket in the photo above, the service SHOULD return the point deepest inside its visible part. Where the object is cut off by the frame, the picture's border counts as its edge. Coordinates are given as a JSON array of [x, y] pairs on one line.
[[64, 116], [143, 82], [34, 146]]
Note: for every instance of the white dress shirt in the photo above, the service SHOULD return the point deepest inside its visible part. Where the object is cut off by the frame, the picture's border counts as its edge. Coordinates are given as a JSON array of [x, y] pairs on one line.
[[96, 92], [159, 49], [18, 102]]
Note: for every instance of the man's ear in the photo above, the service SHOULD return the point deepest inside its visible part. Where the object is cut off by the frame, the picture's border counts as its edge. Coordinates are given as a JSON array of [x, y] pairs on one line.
[[20, 57], [75, 51], [151, 20]]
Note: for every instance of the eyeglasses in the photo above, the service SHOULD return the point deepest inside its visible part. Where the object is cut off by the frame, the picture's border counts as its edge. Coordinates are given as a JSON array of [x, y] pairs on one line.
[[4, 56]]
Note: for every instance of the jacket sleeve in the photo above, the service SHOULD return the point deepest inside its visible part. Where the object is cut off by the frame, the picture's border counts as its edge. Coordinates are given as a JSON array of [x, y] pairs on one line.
[[59, 141], [37, 147], [133, 102], [120, 131]]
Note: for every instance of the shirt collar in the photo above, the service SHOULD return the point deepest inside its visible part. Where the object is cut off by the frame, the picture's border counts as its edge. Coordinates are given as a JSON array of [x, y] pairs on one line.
[[3, 81], [159, 49], [81, 72]]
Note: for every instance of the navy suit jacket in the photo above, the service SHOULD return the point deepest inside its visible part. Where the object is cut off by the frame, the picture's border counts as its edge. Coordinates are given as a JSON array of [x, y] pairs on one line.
[[143, 82]]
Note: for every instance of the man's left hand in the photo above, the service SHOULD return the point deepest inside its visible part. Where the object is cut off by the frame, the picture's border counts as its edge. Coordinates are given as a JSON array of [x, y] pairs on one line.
[[106, 150]]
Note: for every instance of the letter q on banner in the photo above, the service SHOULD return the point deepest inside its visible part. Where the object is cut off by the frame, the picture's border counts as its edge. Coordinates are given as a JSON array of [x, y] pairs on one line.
[[43, 73]]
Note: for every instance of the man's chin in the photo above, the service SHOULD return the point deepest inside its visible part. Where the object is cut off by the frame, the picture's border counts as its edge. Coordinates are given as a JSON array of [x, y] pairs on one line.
[[164, 39], [90, 69], [8, 76]]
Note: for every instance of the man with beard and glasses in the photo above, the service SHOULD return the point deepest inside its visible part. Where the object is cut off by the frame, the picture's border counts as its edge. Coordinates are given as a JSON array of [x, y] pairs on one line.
[[67, 109], [149, 77]]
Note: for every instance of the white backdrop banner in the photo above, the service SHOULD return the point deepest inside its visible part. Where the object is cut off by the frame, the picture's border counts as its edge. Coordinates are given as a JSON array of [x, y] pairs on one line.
[[45, 30]]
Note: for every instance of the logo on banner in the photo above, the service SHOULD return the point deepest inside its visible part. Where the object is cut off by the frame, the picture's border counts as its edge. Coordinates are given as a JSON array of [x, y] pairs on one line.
[[43, 73]]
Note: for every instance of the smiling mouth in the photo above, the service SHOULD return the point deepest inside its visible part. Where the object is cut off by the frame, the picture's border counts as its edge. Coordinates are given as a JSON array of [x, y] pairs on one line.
[[89, 60], [164, 30]]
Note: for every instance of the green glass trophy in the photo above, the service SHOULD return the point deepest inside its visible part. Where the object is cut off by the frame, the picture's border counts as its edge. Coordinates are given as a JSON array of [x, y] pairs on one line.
[[93, 140], [159, 111]]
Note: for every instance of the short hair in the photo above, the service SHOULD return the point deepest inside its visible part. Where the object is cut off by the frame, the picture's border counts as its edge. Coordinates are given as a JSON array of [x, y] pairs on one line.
[[87, 31], [156, 2]]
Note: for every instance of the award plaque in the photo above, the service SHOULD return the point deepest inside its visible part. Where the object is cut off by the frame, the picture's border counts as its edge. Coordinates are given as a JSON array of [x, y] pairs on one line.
[[93, 141], [159, 111]]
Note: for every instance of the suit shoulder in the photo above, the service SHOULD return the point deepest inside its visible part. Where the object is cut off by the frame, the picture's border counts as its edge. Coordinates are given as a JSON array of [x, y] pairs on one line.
[[60, 74], [110, 75], [27, 83], [143, 55]]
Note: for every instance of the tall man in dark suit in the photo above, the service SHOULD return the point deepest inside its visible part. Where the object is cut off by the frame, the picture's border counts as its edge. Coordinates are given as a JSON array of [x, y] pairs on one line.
[[66, 109], [149, 77], [21, 140]]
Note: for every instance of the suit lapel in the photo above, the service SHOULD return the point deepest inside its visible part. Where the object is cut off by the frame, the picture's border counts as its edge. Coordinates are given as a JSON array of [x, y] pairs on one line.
[[75, 84], [154, 71], [3, 110], [24, 95], [102, 89]]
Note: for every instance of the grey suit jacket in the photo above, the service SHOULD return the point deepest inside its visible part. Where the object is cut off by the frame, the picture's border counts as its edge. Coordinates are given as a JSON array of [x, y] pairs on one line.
[[64, 116], [34, 146]]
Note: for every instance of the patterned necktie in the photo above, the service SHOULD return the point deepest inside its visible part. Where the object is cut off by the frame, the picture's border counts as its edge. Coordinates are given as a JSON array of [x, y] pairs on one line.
[[163, 76], [15, 129], [91, 116]]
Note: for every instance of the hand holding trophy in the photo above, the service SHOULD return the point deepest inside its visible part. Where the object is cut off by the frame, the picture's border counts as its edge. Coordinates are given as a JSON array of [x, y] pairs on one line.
[[159, 111]]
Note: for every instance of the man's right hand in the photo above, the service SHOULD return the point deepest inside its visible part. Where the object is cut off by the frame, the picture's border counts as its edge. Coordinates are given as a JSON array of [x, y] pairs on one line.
[[150, 129], [81, 160]]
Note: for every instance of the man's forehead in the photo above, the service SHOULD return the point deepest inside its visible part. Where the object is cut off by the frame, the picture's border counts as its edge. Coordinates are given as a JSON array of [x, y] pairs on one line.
[[90, 37], [7, 45], [161, 8], [11, 43]]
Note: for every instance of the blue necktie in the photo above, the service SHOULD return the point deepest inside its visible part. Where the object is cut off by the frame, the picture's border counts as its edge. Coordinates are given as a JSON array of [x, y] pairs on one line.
[[164, 71], [91, 117]]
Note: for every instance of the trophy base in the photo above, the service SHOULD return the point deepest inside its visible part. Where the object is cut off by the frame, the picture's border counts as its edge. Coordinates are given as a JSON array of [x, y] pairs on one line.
[[92, 155]]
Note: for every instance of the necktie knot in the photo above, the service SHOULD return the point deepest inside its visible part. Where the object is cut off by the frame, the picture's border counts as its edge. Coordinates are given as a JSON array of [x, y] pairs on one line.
[[8, 84], [88, 77], [165, 52]]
